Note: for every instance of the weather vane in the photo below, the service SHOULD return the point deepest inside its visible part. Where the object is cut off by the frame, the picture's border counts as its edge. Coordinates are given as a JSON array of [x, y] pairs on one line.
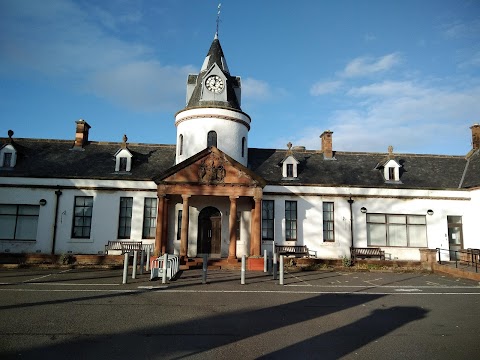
[[218, 16]]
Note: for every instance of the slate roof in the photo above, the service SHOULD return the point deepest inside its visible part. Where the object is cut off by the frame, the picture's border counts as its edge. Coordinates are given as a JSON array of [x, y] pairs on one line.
[[41, 158], [56, 159]]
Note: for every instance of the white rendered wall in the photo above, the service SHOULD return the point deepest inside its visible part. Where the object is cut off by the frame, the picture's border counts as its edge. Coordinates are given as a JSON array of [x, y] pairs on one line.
[[106, 205], [230, 126], [385, 201]]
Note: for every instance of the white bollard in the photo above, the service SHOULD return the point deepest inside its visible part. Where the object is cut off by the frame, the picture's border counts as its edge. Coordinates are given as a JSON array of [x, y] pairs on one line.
[[142, 261], [134, 270], [164, 269], [147, 266], [281, 269], [274, 266], [125, 268], [265, 261], [242, 273]]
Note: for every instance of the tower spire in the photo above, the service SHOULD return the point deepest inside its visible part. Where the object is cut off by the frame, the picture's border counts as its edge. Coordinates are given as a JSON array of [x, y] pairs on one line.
[[218, 19]]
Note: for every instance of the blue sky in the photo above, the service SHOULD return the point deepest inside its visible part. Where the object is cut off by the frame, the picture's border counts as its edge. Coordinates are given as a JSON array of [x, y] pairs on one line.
[[376, 73]]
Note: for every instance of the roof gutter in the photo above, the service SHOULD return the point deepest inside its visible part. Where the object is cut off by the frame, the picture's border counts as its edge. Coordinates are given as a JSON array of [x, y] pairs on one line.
[[58, 192]]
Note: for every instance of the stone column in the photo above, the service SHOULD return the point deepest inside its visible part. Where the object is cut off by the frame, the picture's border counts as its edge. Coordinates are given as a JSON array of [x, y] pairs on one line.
[[159, 229], [165, 227], [232, 226], [256, 226], [185, 222]]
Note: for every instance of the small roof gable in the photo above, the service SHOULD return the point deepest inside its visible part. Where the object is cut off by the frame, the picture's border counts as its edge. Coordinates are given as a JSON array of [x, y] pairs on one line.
[[210, 166]]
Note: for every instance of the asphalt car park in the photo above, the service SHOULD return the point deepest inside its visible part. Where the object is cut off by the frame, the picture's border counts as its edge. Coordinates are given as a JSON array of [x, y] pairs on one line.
[[331, 314]]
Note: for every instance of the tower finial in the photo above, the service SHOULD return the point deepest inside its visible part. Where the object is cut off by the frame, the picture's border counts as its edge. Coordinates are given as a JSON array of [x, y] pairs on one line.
[[218, 19]]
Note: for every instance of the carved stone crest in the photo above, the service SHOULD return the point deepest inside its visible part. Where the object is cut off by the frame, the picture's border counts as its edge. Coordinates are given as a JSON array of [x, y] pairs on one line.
[[212, 171]]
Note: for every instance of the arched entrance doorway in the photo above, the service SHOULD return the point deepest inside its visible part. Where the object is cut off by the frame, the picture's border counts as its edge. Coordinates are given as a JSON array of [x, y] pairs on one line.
[[209, 238]]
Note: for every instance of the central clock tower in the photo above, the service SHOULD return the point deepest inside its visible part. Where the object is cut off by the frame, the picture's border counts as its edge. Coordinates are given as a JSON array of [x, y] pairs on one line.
[[212, 115]]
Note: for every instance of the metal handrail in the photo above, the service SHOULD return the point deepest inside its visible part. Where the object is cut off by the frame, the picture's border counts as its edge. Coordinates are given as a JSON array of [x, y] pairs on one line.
[[473, 256]]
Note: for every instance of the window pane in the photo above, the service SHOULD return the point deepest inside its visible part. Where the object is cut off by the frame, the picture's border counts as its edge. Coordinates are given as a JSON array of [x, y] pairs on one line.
[[376, 234], [28, 209], [397, 219], [378, 218], [7, 226], [397, 235], [416, 219], [454, 219], [417, 236], [8, 209]]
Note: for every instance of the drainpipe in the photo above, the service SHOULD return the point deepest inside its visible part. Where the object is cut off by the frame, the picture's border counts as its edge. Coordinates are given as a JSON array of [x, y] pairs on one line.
[[351, 201], [58, 192]]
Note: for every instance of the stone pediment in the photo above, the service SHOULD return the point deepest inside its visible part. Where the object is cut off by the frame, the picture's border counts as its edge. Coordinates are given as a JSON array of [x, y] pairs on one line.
[[210, 167]]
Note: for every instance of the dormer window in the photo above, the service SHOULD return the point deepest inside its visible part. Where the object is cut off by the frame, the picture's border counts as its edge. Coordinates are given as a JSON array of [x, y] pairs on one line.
[[289, 165], [123, 158], [8, 157], [391, 171]]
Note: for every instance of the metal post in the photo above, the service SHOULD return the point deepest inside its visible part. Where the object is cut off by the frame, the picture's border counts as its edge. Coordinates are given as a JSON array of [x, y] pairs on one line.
[[270, 264], [125, 268], [142, 261], [204, 268], [275, 266], [456, 259], [134, 270], [265, 261], [242, 274], [281, 270], [439, 256], [164, 269], [147, 266]]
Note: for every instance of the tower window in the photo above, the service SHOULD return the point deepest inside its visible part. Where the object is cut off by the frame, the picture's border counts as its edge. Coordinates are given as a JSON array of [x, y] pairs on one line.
[[243, 146], [212, 138], [180, 145]]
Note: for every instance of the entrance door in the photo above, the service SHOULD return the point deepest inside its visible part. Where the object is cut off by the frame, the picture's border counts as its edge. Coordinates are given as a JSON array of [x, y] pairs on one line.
[[209, 232], [455, 236]]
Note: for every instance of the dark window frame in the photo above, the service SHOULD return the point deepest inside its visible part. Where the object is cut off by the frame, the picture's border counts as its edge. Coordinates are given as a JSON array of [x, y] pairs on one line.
[[125, 213], [291, 217], [180, 145], [268, 219], [19, 215], [328, 221], [7, 159], [212, 138], [290, 170], [179, 224], [85, 219], [149, 218]]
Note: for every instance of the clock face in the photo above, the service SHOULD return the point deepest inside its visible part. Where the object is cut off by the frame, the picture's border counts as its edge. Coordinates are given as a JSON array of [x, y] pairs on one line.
[[214, 84]]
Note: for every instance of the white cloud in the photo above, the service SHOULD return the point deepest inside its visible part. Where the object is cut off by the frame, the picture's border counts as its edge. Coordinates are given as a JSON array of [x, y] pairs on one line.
[[142, 85], [75, 45], [458, 29], [410, 116], [364, 66], [321, 88], [259, 90]]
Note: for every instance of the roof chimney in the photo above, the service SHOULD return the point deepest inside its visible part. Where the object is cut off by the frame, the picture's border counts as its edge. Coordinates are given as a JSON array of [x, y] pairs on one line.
[[81, 134], [475, 136], [326, 138]]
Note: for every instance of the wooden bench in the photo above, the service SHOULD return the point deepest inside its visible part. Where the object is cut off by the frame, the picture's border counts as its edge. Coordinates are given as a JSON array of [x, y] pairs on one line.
[[370, 252], [123, 246], [296, 250]]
